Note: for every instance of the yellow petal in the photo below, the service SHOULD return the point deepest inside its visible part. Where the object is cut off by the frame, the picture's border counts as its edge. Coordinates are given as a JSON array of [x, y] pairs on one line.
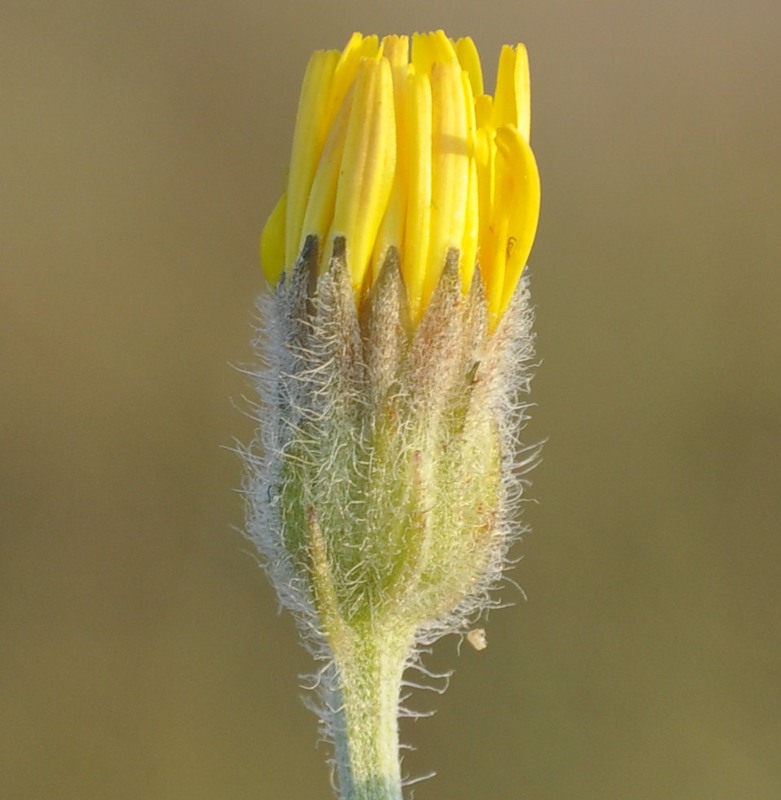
[[396, 50], [484, 111], [418, 159], [471, 230], [367, 168], [485, 159], [322, 196], [512, 102], [308, 141], [523, 92], [272, 242], [449, 168], [358, 48], [489, 256], [468, 244], [518, 191], [391, 232], [504, 97], [469, 59], [429, 49]]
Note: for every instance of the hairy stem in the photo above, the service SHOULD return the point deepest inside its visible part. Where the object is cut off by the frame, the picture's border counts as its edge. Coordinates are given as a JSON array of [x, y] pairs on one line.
[[367, 733]]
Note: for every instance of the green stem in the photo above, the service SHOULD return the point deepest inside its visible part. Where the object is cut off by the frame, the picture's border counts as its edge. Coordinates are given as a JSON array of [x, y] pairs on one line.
[[367, 731]]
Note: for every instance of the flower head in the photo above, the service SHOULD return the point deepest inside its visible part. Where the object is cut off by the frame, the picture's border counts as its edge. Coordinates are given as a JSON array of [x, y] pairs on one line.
[[397, 147], [384, 482]]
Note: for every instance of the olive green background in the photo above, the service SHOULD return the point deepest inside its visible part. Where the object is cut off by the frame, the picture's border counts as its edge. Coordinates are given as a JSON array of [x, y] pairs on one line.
[[141, 146]]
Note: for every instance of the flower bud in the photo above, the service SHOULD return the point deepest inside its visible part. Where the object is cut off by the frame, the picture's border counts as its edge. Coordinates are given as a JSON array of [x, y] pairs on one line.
[[396, 343]]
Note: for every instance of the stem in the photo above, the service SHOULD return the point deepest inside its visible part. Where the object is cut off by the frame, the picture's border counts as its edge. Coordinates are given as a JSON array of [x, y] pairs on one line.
[[367, 731]]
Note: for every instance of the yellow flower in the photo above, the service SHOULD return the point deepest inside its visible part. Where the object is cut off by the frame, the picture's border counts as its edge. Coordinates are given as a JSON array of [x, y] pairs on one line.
[[398, 147], [384, 481]]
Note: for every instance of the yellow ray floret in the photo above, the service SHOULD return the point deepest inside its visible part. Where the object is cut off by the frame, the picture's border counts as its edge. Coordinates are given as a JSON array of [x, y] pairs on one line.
[[396, 50], [397, 146], [367, 167], [414, 245], [308, 141], [272, 242], [512, 103]]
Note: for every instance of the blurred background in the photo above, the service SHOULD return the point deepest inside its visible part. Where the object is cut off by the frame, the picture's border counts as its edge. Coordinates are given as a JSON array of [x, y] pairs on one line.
[[143, 144]]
